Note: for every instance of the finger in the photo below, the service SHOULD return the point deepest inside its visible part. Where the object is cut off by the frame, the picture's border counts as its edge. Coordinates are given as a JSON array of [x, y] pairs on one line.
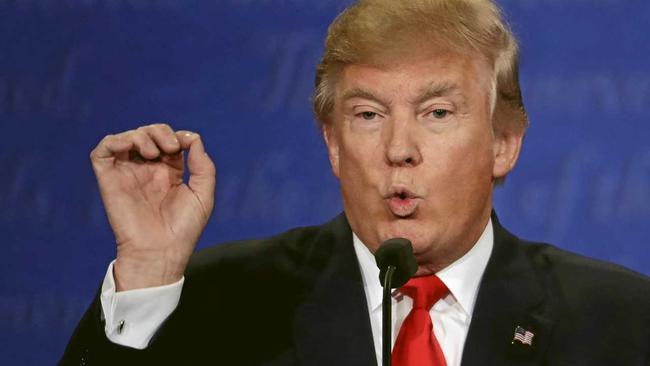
[[110, 146], [175, 160], [163, 136], [143, 143], [199, 163], [201, 168]]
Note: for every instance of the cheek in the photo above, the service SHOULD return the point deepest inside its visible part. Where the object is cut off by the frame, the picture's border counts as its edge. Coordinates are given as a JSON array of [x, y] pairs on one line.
[[358, 157], [477, 149], [465, 160]]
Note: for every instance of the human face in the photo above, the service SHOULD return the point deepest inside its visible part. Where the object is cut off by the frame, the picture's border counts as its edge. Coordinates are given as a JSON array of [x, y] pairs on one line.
[[412, 145]]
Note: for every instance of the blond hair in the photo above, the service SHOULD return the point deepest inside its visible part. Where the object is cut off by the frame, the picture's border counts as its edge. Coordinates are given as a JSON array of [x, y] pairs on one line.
[[376, 31]]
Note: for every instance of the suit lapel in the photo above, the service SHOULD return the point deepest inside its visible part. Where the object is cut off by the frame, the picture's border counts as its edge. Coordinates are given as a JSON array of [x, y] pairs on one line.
[[510, 295], [332, 323]]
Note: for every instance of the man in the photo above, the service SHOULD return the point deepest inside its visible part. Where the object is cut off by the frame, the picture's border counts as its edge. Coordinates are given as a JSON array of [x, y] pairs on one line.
[[421, 112]]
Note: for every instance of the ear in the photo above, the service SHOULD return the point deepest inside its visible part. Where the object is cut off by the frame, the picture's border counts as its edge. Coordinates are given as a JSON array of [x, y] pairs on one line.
[[332, 142], [507, 145]]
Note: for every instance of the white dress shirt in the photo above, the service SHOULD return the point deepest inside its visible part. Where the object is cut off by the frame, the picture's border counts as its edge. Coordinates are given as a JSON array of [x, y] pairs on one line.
[[132, 317], [451, 315]]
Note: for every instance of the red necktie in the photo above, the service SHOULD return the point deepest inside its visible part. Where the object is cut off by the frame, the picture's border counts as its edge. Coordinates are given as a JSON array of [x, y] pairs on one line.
[[416, 345]]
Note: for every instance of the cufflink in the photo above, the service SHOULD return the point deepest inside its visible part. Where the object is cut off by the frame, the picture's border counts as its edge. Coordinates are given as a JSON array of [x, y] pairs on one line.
[[120, 326]]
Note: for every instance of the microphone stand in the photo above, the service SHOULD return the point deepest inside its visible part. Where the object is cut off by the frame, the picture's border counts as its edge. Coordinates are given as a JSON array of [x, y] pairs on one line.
[[394, 259], [386, 311]]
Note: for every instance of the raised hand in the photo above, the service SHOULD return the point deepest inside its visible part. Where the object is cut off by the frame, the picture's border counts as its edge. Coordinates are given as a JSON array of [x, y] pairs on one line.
[[156, 217]]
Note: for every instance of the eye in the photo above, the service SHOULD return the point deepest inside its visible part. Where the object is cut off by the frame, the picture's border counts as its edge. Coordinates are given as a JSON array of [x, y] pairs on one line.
[[367, 115], [439, 113]]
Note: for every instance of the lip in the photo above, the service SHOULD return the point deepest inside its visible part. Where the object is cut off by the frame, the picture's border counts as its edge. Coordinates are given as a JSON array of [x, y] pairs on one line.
[[401, 190], [403, 207], [402, 202]]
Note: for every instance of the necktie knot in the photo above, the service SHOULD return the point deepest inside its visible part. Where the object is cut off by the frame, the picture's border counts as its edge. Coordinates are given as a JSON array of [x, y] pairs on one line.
[[425, 291]]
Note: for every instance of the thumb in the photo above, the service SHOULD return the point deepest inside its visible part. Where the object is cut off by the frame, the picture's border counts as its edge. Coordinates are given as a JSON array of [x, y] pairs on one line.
[[201, 168]]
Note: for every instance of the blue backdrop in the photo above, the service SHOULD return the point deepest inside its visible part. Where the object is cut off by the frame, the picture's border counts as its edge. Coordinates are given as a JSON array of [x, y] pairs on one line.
[[240, 73]]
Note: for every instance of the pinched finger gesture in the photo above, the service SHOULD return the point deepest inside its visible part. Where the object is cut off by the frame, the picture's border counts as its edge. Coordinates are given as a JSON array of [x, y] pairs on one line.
[[156, 217]]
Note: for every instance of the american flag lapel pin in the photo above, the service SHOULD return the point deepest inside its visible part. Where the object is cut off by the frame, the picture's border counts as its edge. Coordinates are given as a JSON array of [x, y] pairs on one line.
[[523, 336]]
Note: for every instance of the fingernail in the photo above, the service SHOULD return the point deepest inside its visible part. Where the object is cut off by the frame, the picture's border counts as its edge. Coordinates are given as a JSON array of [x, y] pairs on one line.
[[188, 134]]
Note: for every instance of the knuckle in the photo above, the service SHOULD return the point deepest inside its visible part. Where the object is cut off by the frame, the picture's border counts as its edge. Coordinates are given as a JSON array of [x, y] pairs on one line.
[[95, 152], [154, 127], [138, 135], [182, 133], [107, 138], [127, 134]]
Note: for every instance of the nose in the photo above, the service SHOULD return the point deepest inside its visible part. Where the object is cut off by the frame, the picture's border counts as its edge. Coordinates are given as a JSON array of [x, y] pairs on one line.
[[401, 143]]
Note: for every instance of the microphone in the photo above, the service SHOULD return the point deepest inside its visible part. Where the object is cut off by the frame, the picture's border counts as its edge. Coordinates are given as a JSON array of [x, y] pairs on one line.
[[396, 265], [396, 252]]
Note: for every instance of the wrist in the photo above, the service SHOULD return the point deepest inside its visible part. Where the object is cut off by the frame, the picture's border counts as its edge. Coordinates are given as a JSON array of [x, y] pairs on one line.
[[135, 273]]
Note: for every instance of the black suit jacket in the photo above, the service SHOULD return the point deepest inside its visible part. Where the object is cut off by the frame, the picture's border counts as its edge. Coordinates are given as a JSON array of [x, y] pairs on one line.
[[298, 299]]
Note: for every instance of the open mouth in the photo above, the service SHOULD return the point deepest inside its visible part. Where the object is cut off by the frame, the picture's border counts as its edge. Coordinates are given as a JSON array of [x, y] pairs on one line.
[[402, 203]]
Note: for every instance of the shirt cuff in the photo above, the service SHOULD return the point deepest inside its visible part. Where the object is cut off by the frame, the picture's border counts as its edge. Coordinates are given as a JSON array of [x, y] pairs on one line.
[[133, 316]]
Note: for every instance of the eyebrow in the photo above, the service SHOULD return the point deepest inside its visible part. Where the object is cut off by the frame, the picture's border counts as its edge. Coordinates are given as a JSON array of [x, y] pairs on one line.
[[364, 94], [434, 90], [437, 89]]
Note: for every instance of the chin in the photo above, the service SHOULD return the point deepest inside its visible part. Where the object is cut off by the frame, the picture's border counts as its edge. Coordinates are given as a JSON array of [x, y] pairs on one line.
[[423, 251], [411, 230]]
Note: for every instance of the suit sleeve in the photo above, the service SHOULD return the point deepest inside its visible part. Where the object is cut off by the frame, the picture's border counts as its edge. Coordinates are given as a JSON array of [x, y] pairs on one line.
[[90, 346], [119, 326]]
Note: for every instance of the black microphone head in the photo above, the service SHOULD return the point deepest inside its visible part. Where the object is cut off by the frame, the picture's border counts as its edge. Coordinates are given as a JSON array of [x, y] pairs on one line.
[[397, 252]]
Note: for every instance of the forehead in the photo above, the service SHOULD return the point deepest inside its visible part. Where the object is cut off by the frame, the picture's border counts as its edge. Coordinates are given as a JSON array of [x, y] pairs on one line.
[[412, 74]]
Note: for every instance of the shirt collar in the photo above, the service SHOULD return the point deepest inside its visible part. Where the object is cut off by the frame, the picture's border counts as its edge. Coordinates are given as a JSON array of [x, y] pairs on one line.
[[462, 277]]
